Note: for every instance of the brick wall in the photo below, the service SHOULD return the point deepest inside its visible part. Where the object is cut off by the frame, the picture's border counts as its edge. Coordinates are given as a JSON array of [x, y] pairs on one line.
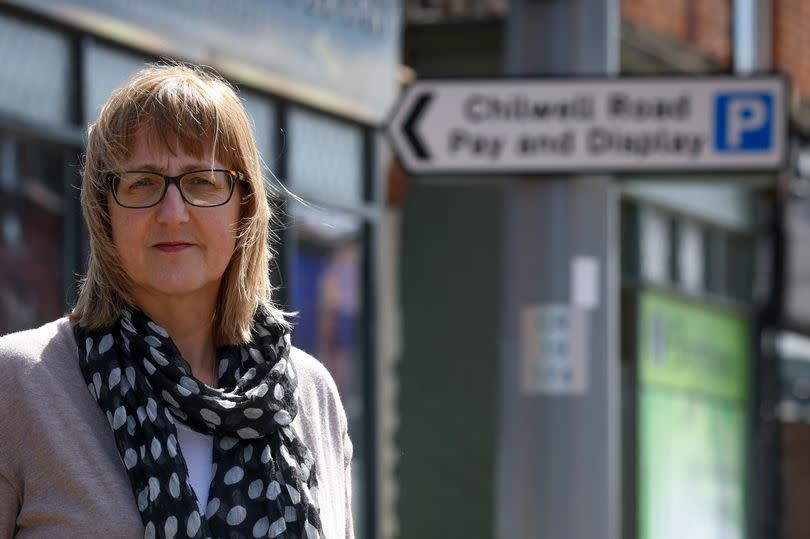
[[791, 19], [704, 25]]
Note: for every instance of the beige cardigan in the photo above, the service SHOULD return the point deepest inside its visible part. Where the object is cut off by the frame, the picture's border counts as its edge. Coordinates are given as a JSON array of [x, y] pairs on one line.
[[60, 472]]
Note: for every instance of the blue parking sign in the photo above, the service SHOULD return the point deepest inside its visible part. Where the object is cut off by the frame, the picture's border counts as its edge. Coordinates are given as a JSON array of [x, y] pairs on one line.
[[743, 122]]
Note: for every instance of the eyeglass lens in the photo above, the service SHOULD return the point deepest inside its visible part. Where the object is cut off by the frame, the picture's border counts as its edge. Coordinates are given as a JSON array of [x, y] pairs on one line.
[[200, 188]]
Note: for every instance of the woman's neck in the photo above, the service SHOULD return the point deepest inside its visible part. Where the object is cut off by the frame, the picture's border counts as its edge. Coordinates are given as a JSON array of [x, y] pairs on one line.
[[190, 323]]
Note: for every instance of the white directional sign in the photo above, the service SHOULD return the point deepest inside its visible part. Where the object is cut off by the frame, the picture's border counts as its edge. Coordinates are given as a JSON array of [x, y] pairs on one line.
[[571, 125]]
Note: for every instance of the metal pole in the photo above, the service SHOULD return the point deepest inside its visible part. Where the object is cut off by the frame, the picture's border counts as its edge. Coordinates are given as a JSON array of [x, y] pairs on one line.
[[753, 40], [558, 455]]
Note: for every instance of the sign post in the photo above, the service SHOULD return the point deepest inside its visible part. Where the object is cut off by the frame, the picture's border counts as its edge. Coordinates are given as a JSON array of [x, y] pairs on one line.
[[591, 125]]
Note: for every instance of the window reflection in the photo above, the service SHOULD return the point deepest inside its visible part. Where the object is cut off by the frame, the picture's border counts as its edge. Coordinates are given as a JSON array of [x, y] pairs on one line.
[[327, 292], [326, 278], [34, 72], [32, 233]]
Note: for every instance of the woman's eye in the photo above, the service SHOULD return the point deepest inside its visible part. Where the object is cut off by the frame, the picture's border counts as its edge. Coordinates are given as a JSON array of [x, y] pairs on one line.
[[200, 180], [142, 183]]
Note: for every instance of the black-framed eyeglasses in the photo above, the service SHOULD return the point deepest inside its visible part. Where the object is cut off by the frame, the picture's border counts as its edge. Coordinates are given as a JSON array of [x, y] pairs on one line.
[[202, 188]]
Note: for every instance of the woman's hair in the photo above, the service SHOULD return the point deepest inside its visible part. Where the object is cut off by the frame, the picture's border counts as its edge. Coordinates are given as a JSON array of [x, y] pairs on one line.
[[200, 111]]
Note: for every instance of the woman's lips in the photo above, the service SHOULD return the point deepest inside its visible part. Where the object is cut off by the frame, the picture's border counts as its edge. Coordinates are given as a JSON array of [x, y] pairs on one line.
[[172, 246]]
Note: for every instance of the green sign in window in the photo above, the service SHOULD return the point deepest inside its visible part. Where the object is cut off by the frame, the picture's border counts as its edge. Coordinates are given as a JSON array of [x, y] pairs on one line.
[[691, 420], [691, 467], [692, 348]]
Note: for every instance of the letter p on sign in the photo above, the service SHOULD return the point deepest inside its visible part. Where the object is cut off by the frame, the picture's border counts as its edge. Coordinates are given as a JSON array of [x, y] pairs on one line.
[[743, 122]]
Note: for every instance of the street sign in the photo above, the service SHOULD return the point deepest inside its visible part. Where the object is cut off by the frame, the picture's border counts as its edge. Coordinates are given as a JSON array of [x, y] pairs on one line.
[[579, 125]]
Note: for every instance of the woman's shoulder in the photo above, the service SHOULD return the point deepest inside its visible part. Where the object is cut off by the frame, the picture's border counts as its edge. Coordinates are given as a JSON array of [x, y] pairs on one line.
[[38, 345], [318, 391], [312, 371], [322, 425], [38, 370]]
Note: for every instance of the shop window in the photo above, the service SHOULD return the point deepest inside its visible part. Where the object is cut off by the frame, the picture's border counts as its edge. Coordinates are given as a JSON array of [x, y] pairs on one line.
[[106, 68], [262, 113], [34, 72], [715, 248], [325, 159], [656, 259], [327, 289], [36, 242], [678, 251], [691, 264]]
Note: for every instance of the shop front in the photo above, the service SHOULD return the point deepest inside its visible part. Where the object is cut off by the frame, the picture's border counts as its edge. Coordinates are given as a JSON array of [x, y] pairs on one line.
[[688, 358]]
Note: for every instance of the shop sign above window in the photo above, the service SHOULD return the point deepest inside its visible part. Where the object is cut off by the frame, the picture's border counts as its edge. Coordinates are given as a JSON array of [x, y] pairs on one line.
[[341, 55]]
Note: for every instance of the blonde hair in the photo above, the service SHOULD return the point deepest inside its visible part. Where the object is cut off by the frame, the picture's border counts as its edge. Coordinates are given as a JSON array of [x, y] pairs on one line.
[[200, 110]]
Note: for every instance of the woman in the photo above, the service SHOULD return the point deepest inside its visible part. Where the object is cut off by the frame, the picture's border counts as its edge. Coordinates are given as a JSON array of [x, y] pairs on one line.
[[170, 403]]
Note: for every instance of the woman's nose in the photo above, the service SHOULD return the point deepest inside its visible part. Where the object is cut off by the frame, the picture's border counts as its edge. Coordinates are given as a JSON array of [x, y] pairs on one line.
[[172, 209]]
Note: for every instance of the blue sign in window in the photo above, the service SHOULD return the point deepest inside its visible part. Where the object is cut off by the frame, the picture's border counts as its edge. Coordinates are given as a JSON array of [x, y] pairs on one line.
[[744, 122]]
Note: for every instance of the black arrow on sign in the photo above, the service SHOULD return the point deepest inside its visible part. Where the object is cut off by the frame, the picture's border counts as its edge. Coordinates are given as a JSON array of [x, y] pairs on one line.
[[409, 128]]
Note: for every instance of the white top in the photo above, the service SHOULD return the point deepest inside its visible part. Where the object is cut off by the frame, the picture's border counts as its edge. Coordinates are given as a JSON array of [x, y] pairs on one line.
[[198, 451]]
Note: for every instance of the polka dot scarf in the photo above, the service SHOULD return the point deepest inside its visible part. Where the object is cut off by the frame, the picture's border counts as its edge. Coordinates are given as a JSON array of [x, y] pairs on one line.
[[264, 482]]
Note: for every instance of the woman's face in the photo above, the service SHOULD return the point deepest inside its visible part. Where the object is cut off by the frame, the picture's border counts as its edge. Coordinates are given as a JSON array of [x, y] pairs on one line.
[[173, 249]]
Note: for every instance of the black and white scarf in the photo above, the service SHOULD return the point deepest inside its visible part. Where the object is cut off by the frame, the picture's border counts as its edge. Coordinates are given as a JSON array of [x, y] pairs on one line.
[[264, 482]]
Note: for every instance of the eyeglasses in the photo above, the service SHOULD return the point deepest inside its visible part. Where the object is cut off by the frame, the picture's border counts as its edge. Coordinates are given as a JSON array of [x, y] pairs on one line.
[[144, 189]]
